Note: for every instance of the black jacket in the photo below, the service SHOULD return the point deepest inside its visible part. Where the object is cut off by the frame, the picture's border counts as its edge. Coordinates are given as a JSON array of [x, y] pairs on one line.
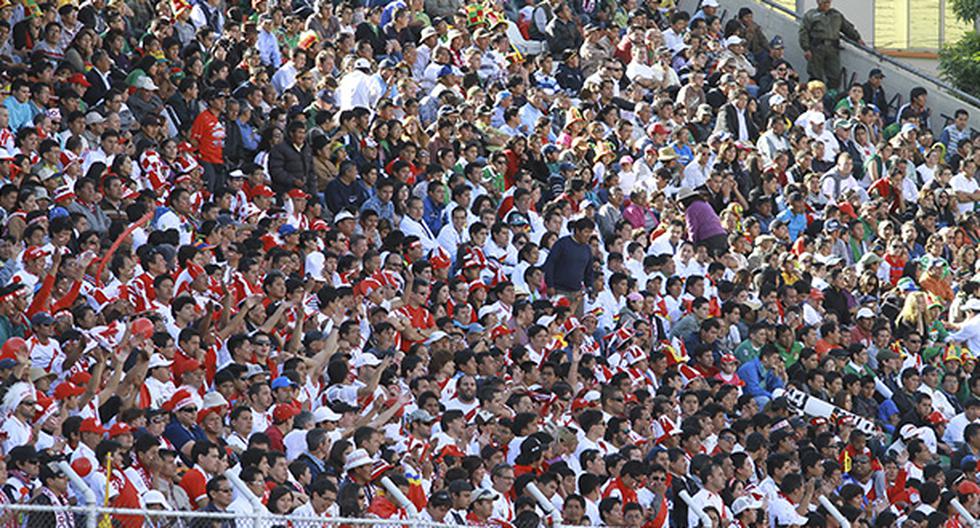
[[728, 121], [570, 78], [287, 165], [183, 111], [372, 34], [95, 93], [234, 147], [563, 36]]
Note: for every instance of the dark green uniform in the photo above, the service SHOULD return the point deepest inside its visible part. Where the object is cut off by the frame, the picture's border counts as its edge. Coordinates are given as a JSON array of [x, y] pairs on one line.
[[820, 34]]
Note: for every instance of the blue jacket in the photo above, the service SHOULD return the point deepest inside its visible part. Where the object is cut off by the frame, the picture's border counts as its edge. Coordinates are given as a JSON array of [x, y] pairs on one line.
[[759, 381]]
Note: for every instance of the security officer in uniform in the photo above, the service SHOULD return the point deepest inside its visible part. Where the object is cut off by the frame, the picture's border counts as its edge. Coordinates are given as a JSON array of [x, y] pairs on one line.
[[820, 34]]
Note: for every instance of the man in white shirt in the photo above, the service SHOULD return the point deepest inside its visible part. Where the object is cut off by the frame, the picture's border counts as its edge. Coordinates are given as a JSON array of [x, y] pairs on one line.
[[969, 332], [954, 429], [815, 127], [358, 88], [696, 172], [787, 508], [612, 300], [454, 233], [836, 181], [713, 477], [413, 224], [967, 191], [674, 36], [640, 72], [19, 403], [285, 76]]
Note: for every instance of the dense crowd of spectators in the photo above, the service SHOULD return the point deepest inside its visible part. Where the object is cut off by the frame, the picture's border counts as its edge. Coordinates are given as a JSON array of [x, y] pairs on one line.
[[287, 257]]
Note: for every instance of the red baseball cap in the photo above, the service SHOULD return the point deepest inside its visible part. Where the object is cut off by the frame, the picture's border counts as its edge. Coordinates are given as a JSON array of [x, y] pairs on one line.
[[34, 252], [183, 366], [120, 429], [263, 190], [79, 78], [67, 390], [968, 488], [89, 425], [80, 378], [299, 194], [284, 412]]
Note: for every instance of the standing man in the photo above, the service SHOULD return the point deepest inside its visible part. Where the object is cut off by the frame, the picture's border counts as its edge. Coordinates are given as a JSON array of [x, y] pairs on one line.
[[208, 135], [820, 34], [568, 269], [291, 161]]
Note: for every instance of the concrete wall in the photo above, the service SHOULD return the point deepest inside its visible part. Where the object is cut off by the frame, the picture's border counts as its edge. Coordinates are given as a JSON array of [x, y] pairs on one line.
[[857, 62], [861, 14]]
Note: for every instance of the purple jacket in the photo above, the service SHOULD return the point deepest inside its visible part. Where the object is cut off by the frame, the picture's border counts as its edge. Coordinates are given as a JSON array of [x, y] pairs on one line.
[[702, 222]]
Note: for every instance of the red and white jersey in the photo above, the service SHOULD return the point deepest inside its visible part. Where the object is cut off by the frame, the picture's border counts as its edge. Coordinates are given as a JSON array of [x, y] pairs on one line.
[[140, 291], [299, 221], [242, 288], [27, 278], [7, 139], [239, 201], [156, 173], [111, 292], [503, 508], [47, 356], [456, 404]]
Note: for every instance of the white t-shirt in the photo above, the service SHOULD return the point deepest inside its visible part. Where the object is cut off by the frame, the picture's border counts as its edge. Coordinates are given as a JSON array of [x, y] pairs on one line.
[[963, 183]]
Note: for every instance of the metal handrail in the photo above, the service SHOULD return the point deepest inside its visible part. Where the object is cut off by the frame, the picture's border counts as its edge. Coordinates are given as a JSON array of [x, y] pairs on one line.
[[885, 58]]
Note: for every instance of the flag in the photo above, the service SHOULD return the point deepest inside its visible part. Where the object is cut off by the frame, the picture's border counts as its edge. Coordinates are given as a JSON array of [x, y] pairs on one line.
[[416, 493], [106, 521], [474, 14]]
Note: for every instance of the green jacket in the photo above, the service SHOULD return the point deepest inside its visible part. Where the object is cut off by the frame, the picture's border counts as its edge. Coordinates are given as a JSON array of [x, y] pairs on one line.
[[10, 329], [791, 356], [818, 26], [746, 352]]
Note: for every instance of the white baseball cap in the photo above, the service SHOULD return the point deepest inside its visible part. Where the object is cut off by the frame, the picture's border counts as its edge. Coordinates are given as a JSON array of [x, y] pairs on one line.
[[325, 414], [357, 458], [366, 359], [733, 40], [865, 313], [157, 360], [156, 497], [745, 502]]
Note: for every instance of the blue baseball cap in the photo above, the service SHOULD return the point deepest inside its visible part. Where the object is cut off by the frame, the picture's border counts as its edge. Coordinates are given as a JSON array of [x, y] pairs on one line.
[[286, 229], [282, 382]]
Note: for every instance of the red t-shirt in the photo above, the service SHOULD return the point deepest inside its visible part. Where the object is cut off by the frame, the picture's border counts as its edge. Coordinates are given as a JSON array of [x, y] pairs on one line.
[[195, 484], [209, 133], [421, 318]]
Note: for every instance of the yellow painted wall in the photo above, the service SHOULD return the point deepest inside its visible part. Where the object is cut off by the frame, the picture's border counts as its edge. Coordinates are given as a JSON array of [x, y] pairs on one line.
[[894, 31]]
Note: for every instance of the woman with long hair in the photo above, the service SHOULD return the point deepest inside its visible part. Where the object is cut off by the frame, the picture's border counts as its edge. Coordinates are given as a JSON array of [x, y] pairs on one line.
[[281, 500], [915, 316]]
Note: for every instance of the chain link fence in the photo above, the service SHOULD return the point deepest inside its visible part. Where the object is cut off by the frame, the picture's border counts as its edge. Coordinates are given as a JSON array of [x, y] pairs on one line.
[[38, 516]]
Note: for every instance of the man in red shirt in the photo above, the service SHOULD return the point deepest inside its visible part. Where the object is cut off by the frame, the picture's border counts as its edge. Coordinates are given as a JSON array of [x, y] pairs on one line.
[[417, 322], [282, 423], [208, 136], [204, 455]]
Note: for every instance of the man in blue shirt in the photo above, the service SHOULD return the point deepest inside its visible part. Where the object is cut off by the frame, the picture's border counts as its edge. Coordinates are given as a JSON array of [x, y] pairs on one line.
[[18, 105], [433, 205], [759, 375], [795, 216], [267, 43], [568, 268]]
